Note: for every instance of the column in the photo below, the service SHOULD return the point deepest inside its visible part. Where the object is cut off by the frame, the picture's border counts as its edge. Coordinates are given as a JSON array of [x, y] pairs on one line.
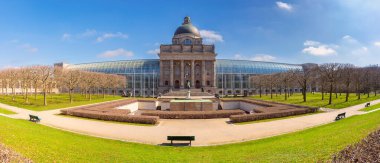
[[171, 74], [214, 74], [182, 74], [161, 74], [203, 74], [192, 74]]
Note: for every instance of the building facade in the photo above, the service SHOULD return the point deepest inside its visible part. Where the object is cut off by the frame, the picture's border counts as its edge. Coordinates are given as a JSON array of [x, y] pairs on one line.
[[187, 61]]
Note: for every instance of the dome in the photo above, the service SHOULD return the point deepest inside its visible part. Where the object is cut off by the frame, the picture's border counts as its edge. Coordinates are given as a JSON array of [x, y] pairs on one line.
[[187, 28]]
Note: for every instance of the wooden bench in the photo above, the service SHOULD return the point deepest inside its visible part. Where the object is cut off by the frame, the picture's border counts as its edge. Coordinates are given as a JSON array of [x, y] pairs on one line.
[[181, 138], [340, 116], [367, 104], [34, 118]]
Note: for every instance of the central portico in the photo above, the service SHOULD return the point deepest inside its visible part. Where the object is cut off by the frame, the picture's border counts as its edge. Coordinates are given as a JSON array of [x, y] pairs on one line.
[[187, 59]]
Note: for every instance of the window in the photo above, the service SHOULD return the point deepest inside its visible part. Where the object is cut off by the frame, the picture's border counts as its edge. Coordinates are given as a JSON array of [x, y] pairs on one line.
[[187, 42], [166, 82], [208, 83]]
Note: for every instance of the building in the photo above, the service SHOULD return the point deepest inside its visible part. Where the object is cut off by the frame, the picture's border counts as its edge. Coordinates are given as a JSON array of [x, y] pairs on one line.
[[187, 62]]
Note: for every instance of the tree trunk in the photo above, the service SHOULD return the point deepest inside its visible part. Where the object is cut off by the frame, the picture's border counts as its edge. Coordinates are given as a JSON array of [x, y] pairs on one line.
[[104, 93], [271, 93], [45, 100], [331, 89], [26, 96], [71, 97], [13, 94], [35, 93]]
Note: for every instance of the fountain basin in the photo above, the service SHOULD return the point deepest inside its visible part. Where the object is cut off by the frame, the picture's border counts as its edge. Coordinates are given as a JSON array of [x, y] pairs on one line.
[[191, 105]]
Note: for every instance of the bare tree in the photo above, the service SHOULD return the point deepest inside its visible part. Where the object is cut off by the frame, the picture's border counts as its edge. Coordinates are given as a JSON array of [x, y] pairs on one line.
[[46, 72], [26, 80], [70, 79], [12, 75], [329, 72], [346, 76]]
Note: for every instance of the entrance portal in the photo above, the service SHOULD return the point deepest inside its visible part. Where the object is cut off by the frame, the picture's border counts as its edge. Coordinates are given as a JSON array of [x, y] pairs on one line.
[[197, 84], [176, 84]]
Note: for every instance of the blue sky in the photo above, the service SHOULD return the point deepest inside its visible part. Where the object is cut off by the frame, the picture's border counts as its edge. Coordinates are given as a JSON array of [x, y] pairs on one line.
[[294, 31]]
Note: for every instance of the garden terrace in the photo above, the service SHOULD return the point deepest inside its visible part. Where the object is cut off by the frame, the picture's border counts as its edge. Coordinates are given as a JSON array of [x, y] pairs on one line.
[[192, 114]]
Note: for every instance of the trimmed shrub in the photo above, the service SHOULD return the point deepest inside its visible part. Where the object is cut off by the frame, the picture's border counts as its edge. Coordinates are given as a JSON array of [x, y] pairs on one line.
[[193, 114], [112, 116], [275, 113]]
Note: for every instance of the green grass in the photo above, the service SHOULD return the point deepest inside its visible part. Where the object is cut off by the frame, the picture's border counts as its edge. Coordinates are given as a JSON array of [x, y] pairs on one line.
[[275, 119], [315, 100], [44, 144], [373, 107], [4, 111], [126, 123], [55, 101]]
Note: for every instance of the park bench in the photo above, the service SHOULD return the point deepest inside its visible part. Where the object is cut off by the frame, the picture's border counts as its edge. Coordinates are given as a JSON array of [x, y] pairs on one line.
[[181, 138], [340, 116], [34, 118], [367, 104]]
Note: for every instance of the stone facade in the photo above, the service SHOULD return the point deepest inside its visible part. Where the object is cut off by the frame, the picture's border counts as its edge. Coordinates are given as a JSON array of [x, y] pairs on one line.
[[187, 60]]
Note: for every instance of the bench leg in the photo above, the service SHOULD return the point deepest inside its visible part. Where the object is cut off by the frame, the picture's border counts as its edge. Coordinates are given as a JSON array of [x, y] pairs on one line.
[[171, 142]]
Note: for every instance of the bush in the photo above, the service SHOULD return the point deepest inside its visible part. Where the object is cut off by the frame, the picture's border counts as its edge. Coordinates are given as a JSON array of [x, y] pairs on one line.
[[277, 112], [112, 116], [193, 114], [368, 150]]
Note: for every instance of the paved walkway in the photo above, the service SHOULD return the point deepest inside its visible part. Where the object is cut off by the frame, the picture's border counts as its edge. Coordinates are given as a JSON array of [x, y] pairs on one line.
[[206, 131]]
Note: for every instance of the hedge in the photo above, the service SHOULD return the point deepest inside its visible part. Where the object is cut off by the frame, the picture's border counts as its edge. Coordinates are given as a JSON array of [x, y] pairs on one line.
[[193, 114], [281, 112], [112, 116]]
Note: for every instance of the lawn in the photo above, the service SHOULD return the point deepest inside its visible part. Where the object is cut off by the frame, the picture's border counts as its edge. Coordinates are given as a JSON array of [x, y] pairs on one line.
[[4, 111], [315, 100], [373, 107], [44, 144], [55, 101]]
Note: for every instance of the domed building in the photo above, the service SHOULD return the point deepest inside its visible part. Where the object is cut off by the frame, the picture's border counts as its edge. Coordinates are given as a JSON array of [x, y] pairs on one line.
[[187, 63]]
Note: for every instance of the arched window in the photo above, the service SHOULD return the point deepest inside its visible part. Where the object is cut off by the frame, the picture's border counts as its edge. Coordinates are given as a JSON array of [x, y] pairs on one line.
[[187, 42]]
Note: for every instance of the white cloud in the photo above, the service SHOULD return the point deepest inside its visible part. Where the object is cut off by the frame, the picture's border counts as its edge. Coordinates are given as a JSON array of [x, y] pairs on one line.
[[66, 36], [257, 57], [316, 48], [116, 53], [311, 43], [319, 50], [377, 43], [111, 35], [154, 51], [284, 6], [211, 36], [88, 33], [263, 57], [29, 48]]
